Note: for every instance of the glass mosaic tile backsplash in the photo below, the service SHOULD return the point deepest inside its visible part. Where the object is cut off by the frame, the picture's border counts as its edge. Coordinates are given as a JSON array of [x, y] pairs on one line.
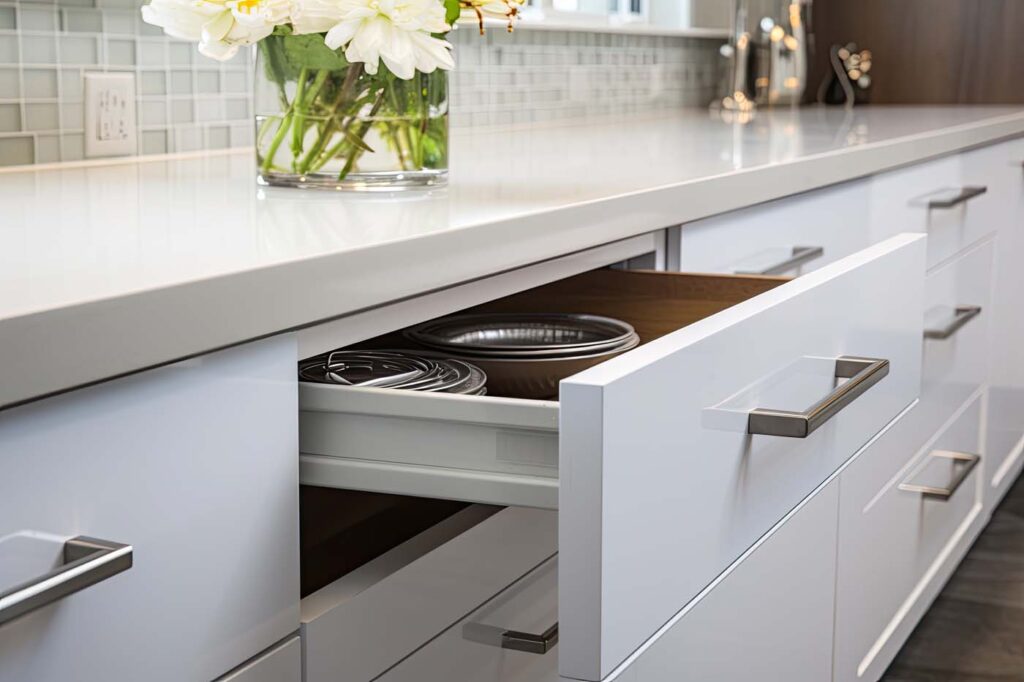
[[187, 102]]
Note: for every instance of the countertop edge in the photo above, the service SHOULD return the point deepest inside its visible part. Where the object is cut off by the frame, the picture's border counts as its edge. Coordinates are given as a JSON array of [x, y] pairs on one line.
[[134, 332]]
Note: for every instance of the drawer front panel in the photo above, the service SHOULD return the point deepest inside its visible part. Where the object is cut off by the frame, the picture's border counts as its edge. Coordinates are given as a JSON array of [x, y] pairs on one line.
[[792, 236], [958, 321], [193, 465], [770, 617], [364, 624], [661, 487], [933, 198], [1005, 443], [472, 650], [898, 545], [283, 663]]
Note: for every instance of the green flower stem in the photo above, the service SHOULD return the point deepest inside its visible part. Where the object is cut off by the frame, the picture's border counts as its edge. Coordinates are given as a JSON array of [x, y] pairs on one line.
[[360, 132], [403, 143], [345, 95], [275, 143], [304, 100], [297, 103]]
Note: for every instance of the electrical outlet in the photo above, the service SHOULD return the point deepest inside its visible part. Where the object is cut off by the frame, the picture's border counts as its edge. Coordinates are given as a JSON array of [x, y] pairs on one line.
[[110, 128]]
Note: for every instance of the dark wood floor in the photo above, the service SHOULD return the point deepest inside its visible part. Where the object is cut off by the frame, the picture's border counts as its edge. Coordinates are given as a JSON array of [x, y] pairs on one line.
[[974, 631]]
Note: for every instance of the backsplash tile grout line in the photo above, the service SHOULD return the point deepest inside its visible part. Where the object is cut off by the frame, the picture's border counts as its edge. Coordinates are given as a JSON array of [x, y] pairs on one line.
[[186, 102]]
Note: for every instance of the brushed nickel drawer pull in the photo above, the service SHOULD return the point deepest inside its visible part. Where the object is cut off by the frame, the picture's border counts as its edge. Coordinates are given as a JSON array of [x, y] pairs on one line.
[[863, 373], [962, 315], [529, 642], [965, 194], [969, 461], [800, 255], [86, 561]]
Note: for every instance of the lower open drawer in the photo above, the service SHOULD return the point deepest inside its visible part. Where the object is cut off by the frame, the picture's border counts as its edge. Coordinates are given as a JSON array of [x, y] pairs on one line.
[[668, 461]]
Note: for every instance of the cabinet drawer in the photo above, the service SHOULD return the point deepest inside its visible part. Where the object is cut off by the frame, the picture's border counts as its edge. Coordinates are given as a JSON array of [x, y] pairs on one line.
[[361, 625], [282, 663], [791, 236], [489, 644], [655, 461], [769, 617], [933, 198], [957, 321], [899, 543], [191, 465]]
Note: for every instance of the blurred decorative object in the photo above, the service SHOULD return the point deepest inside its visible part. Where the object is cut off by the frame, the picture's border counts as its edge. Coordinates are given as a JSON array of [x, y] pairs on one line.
[[767, 54], [849, 79]]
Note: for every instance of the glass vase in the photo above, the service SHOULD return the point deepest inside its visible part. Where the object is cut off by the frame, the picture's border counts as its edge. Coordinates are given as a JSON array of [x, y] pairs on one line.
[[324, 123]]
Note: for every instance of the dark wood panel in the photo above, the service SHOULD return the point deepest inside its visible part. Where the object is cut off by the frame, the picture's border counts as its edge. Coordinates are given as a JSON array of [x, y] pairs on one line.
[[929, 51]]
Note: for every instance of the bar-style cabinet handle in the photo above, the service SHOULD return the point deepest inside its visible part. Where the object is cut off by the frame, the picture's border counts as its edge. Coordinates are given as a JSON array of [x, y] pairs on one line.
[[799, 256], [863, 373], [969, 460], [965, 194], [86, 561], [530, 642], [961, 316]]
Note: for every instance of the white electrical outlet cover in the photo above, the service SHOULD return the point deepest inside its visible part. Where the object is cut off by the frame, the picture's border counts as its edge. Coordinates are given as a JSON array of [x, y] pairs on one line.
[[110, 127]]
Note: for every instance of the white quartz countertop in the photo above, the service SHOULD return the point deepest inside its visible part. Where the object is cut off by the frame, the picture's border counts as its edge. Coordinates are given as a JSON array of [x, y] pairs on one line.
[[105, 270]]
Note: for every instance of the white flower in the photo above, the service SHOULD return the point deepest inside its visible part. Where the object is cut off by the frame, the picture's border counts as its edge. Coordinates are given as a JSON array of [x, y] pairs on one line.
[[219, 26], [395, 31]]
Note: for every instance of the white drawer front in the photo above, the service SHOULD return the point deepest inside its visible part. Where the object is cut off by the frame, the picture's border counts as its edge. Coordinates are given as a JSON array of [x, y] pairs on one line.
[[283, 663], [958, 322], [770, 617], [472, 650], [933, 198], [193, 465], [1005, 445], [898, 546], [659, 493], [792, 236], [360, 626]]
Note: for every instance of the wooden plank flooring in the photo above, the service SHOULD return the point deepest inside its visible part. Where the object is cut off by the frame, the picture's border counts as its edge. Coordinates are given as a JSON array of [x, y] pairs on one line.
[[974, 632]]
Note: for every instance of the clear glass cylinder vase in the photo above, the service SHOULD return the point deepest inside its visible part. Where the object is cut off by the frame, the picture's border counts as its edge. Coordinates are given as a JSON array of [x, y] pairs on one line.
[[324, 123]]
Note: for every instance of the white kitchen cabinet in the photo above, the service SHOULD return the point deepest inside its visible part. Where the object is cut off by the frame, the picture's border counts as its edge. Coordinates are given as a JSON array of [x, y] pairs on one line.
[[511, 638], [366, 622], [767, 617], [281, 663], [936, 198], [660, 433], [193, 467], [791, 236], [958, 320], [900, 539], [1001, 168]]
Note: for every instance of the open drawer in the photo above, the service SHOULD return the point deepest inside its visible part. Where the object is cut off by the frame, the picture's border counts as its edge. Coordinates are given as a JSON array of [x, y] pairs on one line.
[[666, 462]]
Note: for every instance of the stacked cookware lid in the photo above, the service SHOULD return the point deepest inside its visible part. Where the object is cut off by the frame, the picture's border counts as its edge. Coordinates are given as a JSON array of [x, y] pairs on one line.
[[525, 336], [408, 370], [525, 355]]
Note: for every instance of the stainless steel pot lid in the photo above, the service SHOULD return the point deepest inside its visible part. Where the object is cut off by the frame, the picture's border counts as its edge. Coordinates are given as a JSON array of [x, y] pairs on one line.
[[518, 334], [394, 369]]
